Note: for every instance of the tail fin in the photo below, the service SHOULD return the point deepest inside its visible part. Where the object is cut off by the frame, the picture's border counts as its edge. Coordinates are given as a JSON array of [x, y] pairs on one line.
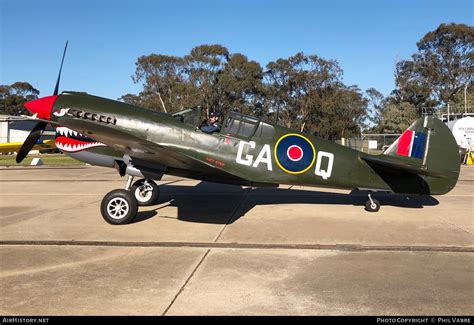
[[424, 159]]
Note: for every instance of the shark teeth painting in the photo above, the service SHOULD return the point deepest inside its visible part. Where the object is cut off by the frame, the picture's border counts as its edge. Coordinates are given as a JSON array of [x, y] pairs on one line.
[[72, 141]]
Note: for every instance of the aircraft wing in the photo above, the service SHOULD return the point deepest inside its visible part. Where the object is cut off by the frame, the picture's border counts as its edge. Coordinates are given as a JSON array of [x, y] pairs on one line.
[[15, 146], [145, 153]]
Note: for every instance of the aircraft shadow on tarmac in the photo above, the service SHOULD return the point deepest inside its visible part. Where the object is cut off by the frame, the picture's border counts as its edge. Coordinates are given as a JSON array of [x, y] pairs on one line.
[[224, 204]]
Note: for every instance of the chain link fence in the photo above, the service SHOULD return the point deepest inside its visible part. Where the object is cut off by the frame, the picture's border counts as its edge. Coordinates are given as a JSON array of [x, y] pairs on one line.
[[370, 143], [378, 143]]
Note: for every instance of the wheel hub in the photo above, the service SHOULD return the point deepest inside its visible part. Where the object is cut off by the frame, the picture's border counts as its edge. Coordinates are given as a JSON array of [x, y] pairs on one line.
[[144, 192], [117, 208]]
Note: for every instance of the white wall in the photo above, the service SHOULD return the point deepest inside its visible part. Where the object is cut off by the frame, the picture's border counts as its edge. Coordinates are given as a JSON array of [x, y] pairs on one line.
[[3, 132], [18, 135]]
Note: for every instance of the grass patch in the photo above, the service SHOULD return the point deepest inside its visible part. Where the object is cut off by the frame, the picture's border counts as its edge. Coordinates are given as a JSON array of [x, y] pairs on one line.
[[56, 159]]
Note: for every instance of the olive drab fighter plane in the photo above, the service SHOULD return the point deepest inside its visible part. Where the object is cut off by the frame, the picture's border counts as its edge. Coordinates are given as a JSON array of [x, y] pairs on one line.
[[144, 143]]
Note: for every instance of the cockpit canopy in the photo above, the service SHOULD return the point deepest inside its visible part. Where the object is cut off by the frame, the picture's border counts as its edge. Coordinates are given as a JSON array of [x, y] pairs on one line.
[[234, 124], [189, 115], [245, 126]]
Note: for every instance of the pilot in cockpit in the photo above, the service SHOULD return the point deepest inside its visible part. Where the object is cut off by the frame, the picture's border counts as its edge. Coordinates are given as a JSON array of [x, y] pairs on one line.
[[211, 125]]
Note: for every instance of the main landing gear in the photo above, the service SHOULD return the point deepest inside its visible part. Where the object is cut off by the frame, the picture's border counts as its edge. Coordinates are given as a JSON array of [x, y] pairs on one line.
[[372, 205], [120, 206], [146, 191]]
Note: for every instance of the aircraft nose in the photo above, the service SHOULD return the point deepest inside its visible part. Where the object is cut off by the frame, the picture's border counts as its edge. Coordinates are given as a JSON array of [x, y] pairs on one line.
[[41, 106]]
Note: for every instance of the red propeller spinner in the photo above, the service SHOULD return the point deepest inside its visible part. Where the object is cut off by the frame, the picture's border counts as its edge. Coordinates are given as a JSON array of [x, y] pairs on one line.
[[41, 106]]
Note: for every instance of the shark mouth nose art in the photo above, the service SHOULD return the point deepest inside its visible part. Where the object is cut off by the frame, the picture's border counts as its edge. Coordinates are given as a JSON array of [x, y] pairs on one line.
[[72, 141]]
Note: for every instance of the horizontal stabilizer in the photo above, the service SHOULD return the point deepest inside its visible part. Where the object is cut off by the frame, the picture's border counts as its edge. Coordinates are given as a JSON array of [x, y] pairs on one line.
[[400, 165]]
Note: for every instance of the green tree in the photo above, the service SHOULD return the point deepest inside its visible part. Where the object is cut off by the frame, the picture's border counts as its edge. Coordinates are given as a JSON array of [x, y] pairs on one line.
[[14, 96], [131, 99], [442, 67], [459, 104], [240, 87], [292, 81], [278, 81], [209, 76], [163, 78], [397, 117], [337, 111], [376, 102], [204, 65], [307, 91], [411, 87]]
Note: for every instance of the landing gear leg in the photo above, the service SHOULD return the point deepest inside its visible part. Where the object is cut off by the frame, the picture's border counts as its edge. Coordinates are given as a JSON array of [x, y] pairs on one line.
[[146, 191], [129, 183], [372, 205], [119, 207]]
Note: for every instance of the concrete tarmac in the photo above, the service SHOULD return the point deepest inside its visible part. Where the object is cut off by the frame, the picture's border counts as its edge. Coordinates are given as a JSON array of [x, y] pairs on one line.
[[213, 249]]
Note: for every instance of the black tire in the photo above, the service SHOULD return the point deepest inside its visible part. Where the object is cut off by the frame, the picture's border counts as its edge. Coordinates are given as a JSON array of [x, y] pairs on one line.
[[145, 193], [119, 207], [372, 207]]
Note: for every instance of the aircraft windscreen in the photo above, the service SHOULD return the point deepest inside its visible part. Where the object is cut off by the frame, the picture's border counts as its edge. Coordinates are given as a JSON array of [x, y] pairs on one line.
[[189, 116]]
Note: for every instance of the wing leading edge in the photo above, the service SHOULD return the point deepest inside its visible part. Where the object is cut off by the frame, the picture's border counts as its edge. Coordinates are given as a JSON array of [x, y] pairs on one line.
[[139, 149]]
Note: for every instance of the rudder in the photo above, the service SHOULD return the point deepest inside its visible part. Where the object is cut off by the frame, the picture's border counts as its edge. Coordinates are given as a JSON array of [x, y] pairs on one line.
[[429, 145]]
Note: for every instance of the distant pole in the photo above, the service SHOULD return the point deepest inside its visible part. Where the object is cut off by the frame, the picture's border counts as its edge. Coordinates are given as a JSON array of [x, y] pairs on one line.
[[465, 99], [448, 112]]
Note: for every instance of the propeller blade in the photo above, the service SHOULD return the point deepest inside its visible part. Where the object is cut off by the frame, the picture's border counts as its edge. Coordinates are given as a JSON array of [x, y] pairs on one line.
[[30, 141], [56, 89]]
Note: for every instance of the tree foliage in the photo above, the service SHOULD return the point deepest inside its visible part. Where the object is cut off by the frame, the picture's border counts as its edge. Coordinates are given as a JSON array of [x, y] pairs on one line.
[[376, 102], [163, 78], [209, 76], [434, 76], [442, 67], [397, 117], [14, 96], [306, 91], [300, 91], [462, 103]]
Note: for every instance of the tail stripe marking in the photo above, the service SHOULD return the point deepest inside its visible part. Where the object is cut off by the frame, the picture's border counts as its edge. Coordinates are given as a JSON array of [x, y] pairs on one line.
[[412, 144], [404, 143], [418, 148]]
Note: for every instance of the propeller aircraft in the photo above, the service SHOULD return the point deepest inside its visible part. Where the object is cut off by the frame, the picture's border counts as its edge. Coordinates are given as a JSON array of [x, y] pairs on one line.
[[144, 143]]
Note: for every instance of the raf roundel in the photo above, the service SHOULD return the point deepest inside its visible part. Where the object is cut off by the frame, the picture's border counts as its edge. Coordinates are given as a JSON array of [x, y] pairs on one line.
[[294, 153]]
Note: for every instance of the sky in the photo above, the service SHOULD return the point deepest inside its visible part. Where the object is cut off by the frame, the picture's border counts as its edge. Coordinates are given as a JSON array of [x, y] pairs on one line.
[[106, 37]]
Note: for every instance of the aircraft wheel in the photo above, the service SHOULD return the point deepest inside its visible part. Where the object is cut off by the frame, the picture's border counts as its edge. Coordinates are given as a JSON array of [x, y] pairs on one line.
[[119, 207], [146, 192], [372, 205]]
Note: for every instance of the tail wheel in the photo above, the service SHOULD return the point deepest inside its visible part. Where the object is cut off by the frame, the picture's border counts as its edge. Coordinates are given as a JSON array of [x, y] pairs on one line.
[[372, 205], [119, 207], [146, 192]]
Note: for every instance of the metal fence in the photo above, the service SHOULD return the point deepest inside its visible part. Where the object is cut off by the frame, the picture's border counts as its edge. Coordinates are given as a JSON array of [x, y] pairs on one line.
[[449, 112], [370, 143], [378, 143]]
